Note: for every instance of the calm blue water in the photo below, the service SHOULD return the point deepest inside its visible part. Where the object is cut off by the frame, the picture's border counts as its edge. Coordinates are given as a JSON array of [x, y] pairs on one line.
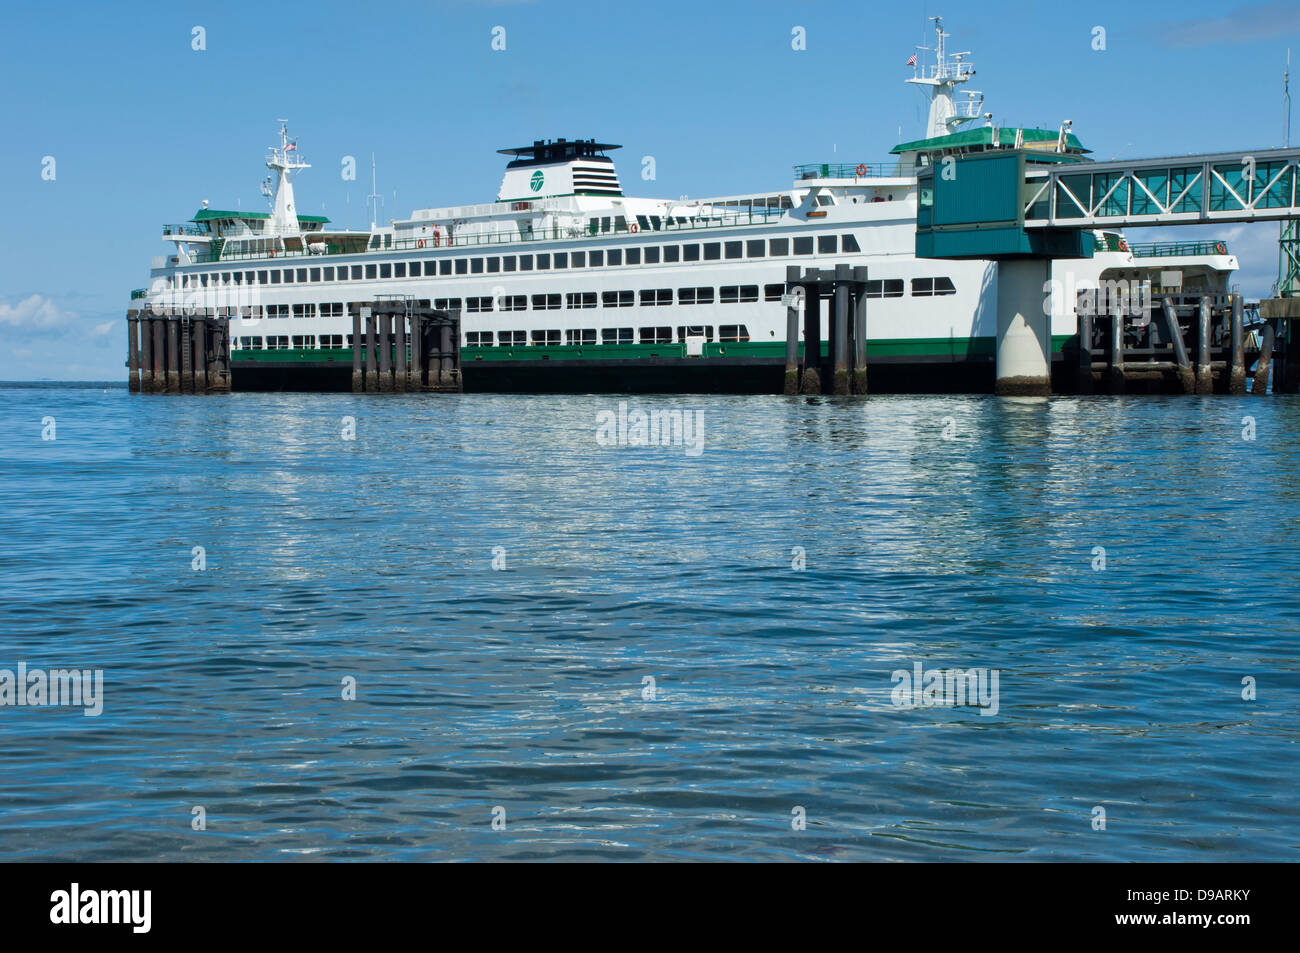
[[523, 688]]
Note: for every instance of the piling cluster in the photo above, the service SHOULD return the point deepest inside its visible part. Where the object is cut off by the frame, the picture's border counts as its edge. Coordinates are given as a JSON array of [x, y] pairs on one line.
[[1198, 341], [844, 369], [385, 332], [178, 352]]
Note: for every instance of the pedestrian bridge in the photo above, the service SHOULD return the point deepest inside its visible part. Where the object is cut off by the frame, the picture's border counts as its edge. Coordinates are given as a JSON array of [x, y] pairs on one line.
[[1187, 190], [1024, 202]]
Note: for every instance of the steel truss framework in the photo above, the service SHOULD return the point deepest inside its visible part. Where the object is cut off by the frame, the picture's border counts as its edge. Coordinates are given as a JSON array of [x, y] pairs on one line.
[[1225, 187]]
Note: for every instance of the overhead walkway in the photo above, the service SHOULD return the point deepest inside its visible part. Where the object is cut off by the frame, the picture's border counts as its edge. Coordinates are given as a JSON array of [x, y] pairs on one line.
[[1024, 207], [1254, 186]]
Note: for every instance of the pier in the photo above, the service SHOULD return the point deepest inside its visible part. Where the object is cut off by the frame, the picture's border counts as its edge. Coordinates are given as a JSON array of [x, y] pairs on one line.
[[398, 345], [842, 367], [409, 347], [1193, 343], [177, 352]]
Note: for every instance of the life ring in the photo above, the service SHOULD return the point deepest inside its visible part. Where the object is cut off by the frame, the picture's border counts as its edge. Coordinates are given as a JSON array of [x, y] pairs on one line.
[[1221, 248], [862, 168], [634, 227], [420, 243], [271, 253]]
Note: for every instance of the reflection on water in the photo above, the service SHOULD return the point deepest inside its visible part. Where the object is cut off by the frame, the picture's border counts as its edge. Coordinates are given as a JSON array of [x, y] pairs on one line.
[[957, 532]]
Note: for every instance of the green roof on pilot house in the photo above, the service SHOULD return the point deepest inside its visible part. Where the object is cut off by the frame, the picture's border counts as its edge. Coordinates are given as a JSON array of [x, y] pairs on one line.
[[212, 214], [972, 138]]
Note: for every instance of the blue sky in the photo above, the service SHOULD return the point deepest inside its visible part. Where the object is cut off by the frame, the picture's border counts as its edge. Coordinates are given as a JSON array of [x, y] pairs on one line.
[[142, 127]]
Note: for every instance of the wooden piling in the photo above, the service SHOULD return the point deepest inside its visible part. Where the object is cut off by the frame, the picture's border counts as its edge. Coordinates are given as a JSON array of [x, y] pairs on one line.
[[793, 290], [372, 352], [133, 351], [436, 340], [444, 356], [199, 335], [1204, 376], [1259, 382], [173, 355], [358, 381], [146, 353], [1083, 367], [399, 352], [860, 329], [1115, 363], [219, 356], [415, 382], [1186, 376], [159, 331], [791, 386], [385, 352], [1237, 369], [840, 341], [811, 380]]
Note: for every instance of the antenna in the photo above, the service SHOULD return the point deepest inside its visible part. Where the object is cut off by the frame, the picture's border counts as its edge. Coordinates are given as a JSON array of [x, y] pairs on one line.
[[1286, 102], [374, 199]]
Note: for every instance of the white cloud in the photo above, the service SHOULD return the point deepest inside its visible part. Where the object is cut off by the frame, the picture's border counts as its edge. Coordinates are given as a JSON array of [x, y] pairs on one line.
[[35, 313], [105, 329]]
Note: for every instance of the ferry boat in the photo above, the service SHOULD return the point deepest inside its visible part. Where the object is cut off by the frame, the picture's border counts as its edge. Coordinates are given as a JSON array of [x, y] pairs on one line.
[[565, 283]]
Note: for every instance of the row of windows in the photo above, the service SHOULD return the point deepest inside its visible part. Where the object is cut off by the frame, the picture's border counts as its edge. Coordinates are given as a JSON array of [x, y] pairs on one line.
[[647, 297], [282, 342], [549, 337], [659, 297], [543, 261], [589, 336]]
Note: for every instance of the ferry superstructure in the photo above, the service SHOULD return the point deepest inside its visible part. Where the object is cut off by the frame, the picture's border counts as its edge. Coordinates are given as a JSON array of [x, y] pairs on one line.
[[564, 281]]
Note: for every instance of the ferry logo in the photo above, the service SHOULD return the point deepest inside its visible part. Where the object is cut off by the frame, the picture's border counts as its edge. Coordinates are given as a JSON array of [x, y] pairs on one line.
[[75, 906], [658, 428], [535, 183], [946, 687]]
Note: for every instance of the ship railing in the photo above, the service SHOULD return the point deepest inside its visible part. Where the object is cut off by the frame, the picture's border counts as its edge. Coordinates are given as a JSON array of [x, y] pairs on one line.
[[1177, 249], [847, 170], [691, 220], [185, 229], [703, 218]]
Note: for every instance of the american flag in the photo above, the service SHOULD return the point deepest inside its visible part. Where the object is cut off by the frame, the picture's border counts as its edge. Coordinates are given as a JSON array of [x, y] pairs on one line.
[[293, 146], [911, 60]]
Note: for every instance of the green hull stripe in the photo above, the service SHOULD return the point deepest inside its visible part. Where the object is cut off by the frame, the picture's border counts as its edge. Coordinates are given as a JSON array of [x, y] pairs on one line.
[[982, 347]]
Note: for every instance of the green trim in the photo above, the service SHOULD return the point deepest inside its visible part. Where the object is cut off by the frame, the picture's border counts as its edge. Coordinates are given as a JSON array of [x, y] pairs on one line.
[[211, 214], [300, 355], [208, 214], [984, 137]]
